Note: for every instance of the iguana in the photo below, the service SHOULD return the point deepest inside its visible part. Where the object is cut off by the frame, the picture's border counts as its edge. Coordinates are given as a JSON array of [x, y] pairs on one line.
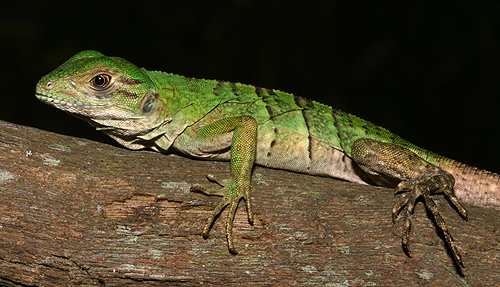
[[247, 125]]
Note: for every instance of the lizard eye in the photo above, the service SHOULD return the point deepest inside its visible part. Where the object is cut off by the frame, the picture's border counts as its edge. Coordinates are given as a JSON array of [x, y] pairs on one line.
[[100, 81]]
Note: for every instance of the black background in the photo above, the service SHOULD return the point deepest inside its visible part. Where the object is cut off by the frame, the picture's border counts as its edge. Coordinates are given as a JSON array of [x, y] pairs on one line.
[[427, 71]]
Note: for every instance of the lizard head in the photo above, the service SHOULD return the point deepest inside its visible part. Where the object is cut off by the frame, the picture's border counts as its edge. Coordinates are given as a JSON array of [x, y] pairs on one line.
[[109, 92]]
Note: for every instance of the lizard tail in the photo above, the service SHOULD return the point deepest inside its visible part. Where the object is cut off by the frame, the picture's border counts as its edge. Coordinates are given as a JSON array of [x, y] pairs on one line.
[[473, 185]]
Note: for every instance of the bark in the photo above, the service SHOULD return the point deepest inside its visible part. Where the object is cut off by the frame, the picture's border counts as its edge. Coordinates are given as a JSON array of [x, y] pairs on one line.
[[77, 212]]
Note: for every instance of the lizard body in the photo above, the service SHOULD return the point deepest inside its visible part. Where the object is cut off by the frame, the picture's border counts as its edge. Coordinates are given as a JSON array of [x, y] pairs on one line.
[[248, 125]]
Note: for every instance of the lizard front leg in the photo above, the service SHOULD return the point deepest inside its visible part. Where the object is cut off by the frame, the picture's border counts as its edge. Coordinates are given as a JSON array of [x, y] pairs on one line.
[[243, 150], [389, 164]]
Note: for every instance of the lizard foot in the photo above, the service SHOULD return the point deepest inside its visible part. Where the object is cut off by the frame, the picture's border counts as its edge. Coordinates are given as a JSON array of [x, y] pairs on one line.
[[232, 192], [424, 186], [389, 164]]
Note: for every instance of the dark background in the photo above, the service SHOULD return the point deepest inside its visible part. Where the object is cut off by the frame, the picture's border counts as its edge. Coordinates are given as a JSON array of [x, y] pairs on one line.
[[427, 71]]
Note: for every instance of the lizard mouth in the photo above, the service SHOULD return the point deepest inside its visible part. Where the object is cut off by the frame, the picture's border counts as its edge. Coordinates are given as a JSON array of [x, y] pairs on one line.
[[80, 105]]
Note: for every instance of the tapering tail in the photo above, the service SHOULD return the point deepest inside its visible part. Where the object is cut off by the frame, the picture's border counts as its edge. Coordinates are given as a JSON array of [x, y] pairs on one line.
[[473, 185]]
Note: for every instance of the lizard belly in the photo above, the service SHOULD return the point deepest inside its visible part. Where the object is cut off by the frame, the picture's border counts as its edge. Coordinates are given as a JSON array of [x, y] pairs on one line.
[[306, 154], [283, 149]]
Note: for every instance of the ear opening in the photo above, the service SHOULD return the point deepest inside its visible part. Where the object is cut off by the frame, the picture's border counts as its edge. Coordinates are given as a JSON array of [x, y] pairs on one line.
[[148, 103]]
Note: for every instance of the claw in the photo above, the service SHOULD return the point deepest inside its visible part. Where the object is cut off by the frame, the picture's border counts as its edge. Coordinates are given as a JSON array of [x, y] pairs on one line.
[[435, 184], [406, 233], [205, 190], [397, 208], [229, 227], [213, 178], [231, 196]]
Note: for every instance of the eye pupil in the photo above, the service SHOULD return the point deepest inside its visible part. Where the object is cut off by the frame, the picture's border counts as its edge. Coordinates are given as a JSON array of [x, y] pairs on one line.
[[101, 81]]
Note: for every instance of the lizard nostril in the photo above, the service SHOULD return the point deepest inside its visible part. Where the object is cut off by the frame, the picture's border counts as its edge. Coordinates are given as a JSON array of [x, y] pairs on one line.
[[49, 85]]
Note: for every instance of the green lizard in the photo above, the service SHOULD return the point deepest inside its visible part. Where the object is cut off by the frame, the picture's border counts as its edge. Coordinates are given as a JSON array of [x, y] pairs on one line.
[[248, 125]]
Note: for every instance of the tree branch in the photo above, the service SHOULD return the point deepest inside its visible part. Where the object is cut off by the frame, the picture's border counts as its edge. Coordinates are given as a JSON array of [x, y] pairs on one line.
[[73, 211]]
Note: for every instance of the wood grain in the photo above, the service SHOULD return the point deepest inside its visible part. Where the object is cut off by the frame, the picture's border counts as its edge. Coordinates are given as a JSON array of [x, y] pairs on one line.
[[77, 212]]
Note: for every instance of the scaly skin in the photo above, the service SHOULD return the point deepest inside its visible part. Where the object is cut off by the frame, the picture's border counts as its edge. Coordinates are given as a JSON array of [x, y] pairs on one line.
[[250, 125]]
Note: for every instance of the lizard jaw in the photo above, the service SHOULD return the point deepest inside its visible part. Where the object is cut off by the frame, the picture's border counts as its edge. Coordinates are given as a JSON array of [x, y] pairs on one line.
[[69, 106]]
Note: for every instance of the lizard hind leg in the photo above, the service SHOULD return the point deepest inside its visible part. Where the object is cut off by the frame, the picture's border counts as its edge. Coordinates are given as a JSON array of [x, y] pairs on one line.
[[393, 165]]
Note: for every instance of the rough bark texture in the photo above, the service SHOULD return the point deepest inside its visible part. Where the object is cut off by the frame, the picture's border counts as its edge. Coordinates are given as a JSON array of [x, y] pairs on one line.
[[77, 212]]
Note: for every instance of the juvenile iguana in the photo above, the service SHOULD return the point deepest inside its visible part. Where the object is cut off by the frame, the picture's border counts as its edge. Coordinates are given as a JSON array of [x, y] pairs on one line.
[[249, 125]]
